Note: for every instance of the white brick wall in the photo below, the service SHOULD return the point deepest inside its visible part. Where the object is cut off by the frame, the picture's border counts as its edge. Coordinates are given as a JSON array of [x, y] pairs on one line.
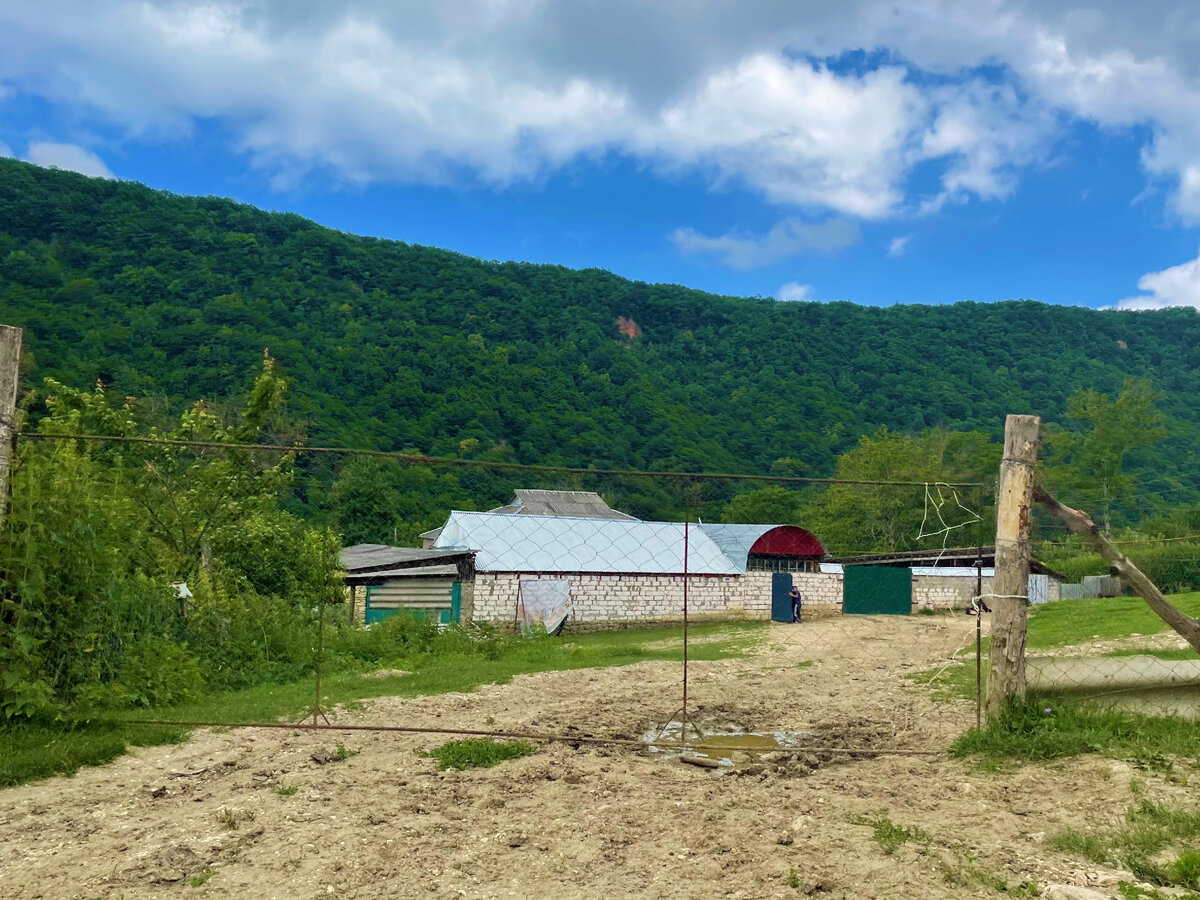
[[945, 591], [616, 598]]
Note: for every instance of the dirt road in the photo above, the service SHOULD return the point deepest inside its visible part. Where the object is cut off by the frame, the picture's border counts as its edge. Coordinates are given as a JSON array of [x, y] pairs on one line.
[[250, 813]]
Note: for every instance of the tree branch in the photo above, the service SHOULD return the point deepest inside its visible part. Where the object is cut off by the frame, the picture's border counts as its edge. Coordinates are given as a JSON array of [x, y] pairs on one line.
[[1081, 523]]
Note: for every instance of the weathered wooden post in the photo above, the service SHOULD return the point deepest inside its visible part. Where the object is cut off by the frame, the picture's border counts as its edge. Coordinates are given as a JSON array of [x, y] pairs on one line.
[[1014, 500], [10, 364]]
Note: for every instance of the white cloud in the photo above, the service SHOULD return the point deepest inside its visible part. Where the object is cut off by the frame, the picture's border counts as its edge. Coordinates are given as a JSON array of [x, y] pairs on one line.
[[787, 238], [71, 157], [5, 150], [498, 91], [1176, 286], [794, 291], [800, 135], [898, 246]]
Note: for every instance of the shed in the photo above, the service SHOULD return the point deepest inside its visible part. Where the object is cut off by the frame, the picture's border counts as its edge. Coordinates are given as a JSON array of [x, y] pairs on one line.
[[420, 583]]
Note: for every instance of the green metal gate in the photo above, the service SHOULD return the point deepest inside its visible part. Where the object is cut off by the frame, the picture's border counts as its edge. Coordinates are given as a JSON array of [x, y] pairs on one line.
[[876, 590]]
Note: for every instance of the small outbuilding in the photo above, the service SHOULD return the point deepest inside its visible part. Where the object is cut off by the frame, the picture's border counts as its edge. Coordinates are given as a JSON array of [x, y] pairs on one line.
[[384, 581]]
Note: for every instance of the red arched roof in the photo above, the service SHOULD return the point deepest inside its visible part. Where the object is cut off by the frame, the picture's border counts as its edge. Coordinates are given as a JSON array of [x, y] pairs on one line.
[[788, 540]]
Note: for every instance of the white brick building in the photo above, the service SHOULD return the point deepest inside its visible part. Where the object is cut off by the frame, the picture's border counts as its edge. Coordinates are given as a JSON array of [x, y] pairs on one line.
[[620, 572]]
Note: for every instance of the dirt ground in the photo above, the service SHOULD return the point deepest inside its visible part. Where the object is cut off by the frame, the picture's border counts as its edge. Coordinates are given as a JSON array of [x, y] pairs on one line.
[[209, 819]]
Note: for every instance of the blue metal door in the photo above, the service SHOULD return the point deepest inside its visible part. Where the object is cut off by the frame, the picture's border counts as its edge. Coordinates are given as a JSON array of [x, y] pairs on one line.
[[781, 597]]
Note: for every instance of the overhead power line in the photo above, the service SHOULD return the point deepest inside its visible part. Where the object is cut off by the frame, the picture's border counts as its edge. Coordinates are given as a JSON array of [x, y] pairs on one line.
[[419, 459]]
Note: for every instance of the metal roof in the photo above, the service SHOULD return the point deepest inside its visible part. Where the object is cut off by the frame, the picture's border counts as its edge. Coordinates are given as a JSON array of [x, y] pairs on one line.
[[573, 504], [735, 541], [411, 572], [379, 556], [530, 543], [950, 557]]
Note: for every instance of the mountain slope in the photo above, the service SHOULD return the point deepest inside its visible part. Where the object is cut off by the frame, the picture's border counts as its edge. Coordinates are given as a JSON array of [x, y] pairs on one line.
[[392, 345]]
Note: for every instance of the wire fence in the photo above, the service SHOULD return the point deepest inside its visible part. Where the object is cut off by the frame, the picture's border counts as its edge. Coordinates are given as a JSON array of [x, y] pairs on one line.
[[140, 571], [1105, 644]]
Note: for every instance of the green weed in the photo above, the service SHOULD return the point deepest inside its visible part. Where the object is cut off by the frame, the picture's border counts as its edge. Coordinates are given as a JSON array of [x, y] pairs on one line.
[[202, 878], [478, 753], [287, 790], [891, 836], [1138, 844], [231, 818], [1043, 729], [961, 869], [794, 881]]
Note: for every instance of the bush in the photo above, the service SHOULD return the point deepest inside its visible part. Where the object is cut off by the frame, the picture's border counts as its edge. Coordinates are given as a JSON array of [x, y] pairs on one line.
[[156, 672], [402, 638]]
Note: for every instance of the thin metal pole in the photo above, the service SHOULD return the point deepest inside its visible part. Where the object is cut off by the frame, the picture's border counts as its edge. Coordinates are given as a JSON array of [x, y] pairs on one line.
[[320, 659], [684, 719], [979, 640]]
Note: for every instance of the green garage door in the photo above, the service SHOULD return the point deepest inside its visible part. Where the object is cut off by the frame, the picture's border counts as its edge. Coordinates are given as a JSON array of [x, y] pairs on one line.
[[877, 590]]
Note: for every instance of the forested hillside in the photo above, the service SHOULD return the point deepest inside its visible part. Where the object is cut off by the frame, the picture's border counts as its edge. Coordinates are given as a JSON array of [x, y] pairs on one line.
[[393, 346]]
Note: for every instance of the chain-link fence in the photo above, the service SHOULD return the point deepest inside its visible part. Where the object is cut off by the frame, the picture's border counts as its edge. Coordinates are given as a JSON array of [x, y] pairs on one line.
[[144, 571], [1103, 643]]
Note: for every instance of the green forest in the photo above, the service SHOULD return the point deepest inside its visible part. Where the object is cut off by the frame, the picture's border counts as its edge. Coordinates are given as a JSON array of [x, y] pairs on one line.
[[393, 346]]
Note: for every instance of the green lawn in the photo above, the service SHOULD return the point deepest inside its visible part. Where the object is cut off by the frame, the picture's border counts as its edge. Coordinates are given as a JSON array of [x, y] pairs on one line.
[[1065, 623], [1079, 621], [31, 751]]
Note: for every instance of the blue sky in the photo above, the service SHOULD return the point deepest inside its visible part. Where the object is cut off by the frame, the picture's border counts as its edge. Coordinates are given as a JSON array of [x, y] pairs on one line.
[[915, 151]]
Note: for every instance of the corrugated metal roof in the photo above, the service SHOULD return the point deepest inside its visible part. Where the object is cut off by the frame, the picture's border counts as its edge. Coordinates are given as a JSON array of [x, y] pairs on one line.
[[573, 504], [369, 556], [412, 572], [528, 543], [735, 541]]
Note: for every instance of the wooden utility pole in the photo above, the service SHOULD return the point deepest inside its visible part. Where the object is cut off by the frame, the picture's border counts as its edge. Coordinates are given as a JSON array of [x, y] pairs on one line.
[[10, 364], [1014, 499], [1081, 523]]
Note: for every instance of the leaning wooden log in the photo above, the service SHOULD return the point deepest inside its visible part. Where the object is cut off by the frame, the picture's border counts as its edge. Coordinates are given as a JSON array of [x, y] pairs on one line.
[[1081, 523]]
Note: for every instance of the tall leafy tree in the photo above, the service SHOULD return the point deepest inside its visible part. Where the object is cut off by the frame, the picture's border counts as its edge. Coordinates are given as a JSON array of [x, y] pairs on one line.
[[854, 518], [1091, 463]]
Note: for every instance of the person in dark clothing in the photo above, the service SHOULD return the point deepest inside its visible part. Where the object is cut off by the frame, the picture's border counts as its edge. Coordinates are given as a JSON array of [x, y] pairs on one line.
[[797, 603]]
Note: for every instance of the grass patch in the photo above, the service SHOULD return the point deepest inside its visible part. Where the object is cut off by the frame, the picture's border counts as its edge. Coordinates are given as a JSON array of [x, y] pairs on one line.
[[1140, 844], [201, 879], [805, 664], [890, 836], [1065, 622], [287, 790], [961, 869], [1179, 653], [1043, 729], [479, 753], [34, 750]]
